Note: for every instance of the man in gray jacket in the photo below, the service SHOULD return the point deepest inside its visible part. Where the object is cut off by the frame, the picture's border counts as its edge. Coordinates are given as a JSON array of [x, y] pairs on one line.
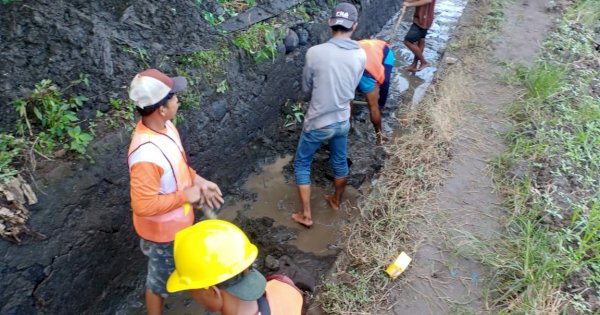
[[331, 73]]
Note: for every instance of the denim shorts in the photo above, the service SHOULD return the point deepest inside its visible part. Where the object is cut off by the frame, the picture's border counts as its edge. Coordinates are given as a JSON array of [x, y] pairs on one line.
[[160, 266], [337, 136]]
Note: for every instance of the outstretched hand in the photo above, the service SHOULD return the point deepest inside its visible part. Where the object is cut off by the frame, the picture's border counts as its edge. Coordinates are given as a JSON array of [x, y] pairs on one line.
[[210, 192]]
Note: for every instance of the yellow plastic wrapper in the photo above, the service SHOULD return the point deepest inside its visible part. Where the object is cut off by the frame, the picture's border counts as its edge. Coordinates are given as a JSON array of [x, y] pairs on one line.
[[399, 265]]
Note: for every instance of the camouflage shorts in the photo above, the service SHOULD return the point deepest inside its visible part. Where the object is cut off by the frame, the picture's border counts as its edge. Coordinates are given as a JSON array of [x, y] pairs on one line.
[[160, 266]]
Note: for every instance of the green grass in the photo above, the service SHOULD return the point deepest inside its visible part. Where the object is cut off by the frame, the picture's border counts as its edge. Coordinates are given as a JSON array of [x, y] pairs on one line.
[[201, 67], [553, 235], [141, 55], [11, 150], [260, 41]]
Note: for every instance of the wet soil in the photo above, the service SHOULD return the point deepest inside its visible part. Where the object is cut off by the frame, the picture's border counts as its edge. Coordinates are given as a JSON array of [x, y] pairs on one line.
[[441, 280]]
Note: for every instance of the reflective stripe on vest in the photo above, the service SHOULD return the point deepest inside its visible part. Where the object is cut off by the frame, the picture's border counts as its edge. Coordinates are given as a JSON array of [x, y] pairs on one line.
[[166, 151], [283, 298], [374, 50]]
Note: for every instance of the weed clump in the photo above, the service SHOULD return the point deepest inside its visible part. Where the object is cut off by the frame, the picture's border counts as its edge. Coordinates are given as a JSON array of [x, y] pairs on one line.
[[49, 120], [260, 41]]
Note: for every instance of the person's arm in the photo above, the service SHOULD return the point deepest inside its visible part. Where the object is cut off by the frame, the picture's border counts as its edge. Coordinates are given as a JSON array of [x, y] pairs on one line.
[[210, 191], [307, 74], [415, 3], [146, 199]]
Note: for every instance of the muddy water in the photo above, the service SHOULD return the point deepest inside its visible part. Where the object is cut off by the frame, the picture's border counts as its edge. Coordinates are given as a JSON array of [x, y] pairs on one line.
[[275, 194], [277, 198]]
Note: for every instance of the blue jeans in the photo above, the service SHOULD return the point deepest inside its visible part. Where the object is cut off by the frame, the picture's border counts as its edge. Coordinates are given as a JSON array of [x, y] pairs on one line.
[[337, 135]]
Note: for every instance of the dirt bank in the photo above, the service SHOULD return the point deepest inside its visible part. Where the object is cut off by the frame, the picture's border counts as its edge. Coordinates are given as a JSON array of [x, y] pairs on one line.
[[90, 259]]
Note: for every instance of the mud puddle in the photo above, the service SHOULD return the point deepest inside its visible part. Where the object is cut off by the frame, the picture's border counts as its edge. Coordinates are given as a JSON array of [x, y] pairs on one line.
[[277, 198], [307, 254]]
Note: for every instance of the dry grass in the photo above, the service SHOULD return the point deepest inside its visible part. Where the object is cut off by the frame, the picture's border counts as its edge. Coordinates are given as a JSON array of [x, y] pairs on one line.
[[415, 167]]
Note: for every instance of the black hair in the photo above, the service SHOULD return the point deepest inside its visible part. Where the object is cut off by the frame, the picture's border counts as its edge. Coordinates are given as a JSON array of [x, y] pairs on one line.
[[340, 28], [148, 110]]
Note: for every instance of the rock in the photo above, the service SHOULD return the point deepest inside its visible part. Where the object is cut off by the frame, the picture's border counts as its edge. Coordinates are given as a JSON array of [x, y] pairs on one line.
[[551, 6], [219, 109], [302, 36], [271, 262], [450, 60], [303, 279], [281, 50], [291, 41]]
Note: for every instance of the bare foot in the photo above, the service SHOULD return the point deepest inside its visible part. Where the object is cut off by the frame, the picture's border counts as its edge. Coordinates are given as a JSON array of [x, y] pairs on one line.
[[423, 66], [381, 139], [411, 68], [332, 202], [301, 219]]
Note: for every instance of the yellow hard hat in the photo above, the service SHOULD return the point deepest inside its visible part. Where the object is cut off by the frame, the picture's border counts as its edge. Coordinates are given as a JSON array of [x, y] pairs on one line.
[[208, 253]]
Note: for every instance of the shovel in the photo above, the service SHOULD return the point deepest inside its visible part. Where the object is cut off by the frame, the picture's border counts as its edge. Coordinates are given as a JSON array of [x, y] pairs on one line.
[[395, 29]]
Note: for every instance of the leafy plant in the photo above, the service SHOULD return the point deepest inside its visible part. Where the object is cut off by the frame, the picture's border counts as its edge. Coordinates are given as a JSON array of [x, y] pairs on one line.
[[260, 41], [189, 100], [222, 87], [11, 148], [300, 10], [295, 117], [140, 54], [212, 19], [49, 119], [121, 115]]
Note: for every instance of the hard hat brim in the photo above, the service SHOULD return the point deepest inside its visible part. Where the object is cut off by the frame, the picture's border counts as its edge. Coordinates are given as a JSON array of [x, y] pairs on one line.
[[250, 288]]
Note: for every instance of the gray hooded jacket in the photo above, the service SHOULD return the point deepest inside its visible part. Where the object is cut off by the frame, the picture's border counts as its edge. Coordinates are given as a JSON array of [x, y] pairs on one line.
[[331, 73]]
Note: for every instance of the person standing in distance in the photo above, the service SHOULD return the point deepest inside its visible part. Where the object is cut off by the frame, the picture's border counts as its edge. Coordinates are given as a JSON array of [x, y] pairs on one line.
[[415, 38]]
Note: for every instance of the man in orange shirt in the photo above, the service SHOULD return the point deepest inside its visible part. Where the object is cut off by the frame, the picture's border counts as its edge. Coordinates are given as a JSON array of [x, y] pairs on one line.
[[375, 81], [163, 185], [415, 38]]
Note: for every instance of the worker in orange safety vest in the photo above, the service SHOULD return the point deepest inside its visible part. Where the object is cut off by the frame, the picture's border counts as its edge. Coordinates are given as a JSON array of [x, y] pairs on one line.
[[375, 81], [213, 262], [163, 185]]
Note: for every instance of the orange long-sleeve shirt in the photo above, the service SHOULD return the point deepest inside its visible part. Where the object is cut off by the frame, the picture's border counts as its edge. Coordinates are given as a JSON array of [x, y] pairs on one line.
[[146, 199]]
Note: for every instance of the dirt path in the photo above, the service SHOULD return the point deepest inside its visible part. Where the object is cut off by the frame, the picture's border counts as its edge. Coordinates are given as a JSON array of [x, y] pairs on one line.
[[441, 280]]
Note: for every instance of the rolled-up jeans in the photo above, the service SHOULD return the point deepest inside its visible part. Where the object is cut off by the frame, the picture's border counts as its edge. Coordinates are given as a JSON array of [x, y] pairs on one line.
[[337, 136]]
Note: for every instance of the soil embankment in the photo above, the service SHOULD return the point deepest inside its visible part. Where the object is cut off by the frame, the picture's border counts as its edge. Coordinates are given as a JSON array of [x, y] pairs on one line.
[[89, 259]]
